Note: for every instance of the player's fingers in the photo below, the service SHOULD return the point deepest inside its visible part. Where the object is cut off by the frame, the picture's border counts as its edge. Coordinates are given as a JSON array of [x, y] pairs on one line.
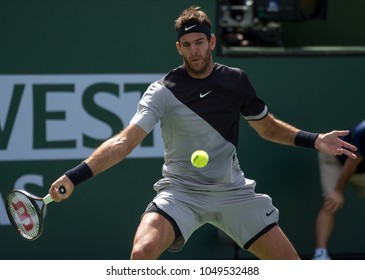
[[61, 189], [348, 146], [348, 153], [53, 191], [341, 132], [56, 195], [345, 148]]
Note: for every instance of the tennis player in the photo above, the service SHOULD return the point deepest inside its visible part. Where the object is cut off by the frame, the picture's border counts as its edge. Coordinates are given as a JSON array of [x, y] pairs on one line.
[[199, 105]]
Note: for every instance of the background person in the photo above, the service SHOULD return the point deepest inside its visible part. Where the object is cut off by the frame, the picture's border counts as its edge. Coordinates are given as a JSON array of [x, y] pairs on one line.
[[336, 172]]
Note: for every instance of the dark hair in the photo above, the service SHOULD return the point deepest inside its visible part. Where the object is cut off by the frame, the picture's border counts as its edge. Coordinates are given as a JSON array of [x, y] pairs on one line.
[[193, 16]]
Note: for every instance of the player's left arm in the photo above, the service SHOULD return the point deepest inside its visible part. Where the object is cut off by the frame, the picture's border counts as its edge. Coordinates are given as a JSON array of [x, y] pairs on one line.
[[275, 130]]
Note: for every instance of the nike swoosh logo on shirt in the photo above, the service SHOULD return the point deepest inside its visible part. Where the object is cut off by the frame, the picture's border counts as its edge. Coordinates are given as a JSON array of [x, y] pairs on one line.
[[205, 94], [190, 27]]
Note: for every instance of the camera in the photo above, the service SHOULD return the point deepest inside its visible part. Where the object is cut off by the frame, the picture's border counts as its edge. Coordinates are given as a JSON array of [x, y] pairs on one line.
[[258, 23]]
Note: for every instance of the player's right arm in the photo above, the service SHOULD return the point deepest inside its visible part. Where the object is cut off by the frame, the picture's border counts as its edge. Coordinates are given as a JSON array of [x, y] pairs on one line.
[[115, 149], [105, 156]]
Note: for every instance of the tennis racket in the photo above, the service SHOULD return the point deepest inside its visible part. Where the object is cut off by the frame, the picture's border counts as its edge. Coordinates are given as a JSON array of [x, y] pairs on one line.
[[24, 213]]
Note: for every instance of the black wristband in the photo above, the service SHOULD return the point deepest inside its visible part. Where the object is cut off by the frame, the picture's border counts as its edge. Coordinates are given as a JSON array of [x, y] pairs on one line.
[[79, 174], [305, 139]]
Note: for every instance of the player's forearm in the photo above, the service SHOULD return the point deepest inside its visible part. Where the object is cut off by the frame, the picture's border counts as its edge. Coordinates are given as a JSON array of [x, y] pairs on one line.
[[115, 149], [108, 154], [283, 133], [275, 130], [105, 156]]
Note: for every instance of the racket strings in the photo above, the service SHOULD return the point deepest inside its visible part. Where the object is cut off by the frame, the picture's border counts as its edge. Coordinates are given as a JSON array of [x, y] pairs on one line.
[[24, 214]]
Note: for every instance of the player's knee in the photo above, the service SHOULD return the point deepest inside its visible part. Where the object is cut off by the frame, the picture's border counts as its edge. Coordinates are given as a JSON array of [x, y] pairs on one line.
[[143, 252]]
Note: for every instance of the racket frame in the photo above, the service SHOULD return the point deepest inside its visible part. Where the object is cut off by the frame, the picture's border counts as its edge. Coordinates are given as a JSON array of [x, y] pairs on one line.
[[40, 211]]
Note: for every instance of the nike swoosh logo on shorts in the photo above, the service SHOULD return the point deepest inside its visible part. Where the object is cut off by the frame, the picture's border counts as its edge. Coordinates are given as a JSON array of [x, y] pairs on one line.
[[205, 94], [190, 27], [268, 214]]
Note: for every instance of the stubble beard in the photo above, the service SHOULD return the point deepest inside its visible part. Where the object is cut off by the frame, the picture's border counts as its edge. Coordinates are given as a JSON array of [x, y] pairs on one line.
[[196, 70]]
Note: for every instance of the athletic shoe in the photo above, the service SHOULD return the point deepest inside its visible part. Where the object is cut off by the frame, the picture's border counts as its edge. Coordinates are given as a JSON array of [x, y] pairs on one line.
[[321, 256]]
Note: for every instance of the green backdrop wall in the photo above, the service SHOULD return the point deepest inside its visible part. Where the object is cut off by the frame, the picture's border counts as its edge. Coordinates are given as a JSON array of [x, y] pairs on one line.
[[132, 37]]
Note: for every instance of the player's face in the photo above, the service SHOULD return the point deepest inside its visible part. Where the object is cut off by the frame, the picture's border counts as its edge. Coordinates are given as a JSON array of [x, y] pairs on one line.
[[196, 52]]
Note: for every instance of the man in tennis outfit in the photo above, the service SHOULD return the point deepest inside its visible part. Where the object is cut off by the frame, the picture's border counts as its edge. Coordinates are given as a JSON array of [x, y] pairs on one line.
[[336, 173], [199, 106]]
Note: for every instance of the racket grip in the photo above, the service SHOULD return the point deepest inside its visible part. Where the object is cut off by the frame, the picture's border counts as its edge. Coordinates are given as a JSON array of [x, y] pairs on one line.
[[47, 199], [62, 190]]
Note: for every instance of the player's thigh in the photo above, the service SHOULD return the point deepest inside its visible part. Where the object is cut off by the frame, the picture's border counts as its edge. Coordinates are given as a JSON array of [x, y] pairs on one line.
[[154, 234], [273, 245]]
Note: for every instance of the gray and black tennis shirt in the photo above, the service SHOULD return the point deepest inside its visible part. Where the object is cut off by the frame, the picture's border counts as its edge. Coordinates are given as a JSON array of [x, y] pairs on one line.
[[200, 114]]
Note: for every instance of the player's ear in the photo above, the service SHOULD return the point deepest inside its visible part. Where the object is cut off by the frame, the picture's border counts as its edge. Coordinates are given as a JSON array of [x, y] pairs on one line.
[[178, 47], [212, 42]]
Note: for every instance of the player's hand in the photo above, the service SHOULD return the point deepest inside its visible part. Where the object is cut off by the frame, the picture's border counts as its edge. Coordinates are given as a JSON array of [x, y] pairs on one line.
[[334, 201], [62, 181], [330, 143]]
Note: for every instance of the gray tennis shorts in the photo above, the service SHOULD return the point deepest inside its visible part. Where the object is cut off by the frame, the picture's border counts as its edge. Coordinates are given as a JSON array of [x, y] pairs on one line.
[[241, 213], [330, 170]]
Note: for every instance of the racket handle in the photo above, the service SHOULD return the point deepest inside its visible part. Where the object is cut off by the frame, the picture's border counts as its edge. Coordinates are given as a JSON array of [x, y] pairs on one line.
[[62, 190], [47, 199]]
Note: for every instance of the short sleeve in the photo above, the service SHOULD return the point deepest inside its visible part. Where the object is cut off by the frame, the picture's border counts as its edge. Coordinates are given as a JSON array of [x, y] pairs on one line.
[[150, 108], [252, 107]]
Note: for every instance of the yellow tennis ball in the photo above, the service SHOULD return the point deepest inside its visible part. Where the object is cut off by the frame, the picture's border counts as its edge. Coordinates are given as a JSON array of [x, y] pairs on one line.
[[199, 159]]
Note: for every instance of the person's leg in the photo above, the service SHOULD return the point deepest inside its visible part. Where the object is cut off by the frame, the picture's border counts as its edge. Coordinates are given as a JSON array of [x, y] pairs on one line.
[[154, 235], [330, 169], [324, 227], [273, 245]]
